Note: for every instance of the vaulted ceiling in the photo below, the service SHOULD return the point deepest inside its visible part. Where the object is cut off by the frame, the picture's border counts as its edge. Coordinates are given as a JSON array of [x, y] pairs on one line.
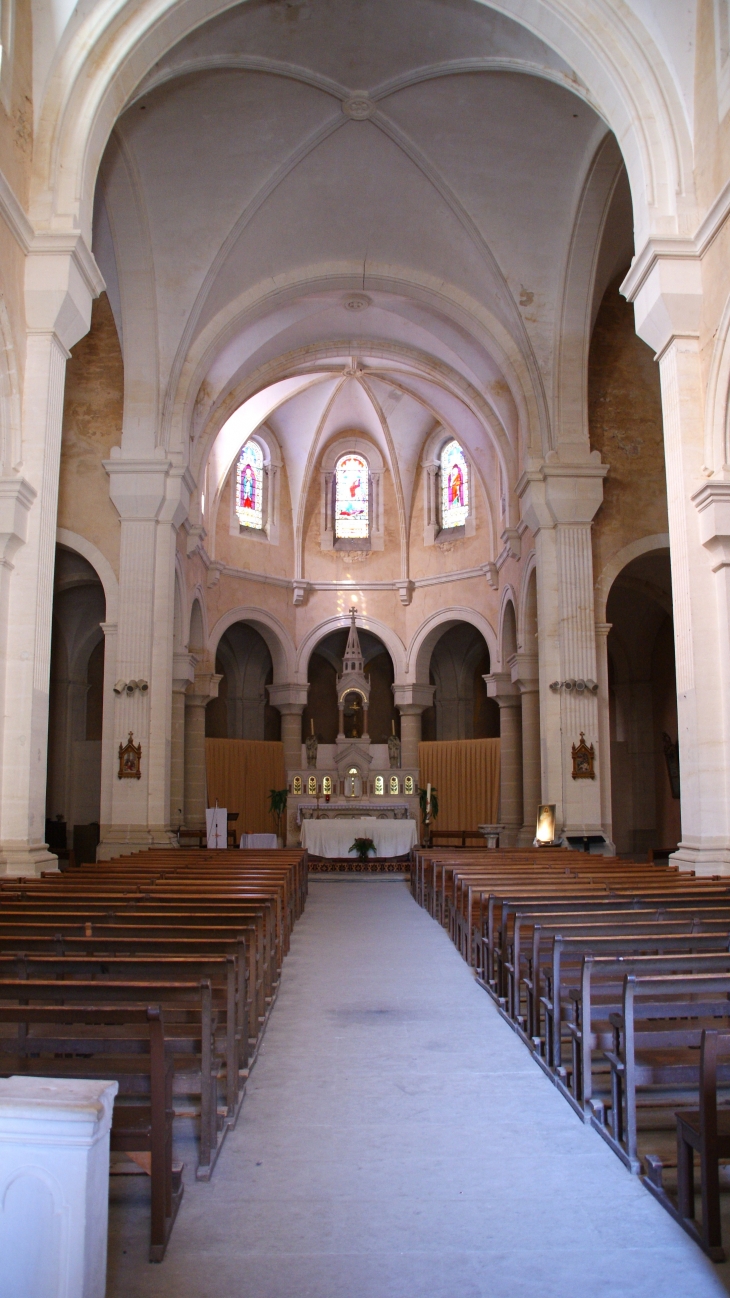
[[428, 157]]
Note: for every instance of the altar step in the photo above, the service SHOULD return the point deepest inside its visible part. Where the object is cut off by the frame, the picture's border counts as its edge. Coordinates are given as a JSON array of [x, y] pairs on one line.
[[350, 865]]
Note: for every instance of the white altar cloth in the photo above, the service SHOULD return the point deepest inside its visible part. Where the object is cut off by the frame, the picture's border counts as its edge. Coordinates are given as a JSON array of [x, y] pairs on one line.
[[335, 837], [259, 840]]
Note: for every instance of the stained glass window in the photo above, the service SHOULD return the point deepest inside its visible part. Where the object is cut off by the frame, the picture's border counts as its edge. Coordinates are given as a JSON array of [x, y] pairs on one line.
[[250, 486], [351, 498], [379, 784], [454, 486]]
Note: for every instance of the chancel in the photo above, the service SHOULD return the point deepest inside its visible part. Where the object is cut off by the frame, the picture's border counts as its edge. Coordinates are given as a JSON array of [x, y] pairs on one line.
[[364, 653], [351, 781]]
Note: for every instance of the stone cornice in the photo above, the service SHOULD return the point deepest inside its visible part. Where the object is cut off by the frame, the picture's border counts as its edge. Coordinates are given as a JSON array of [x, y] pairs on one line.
[[397, 585]]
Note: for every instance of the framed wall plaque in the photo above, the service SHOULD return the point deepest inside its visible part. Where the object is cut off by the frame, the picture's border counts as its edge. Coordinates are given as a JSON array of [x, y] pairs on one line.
[[130, 760], [583, 760]]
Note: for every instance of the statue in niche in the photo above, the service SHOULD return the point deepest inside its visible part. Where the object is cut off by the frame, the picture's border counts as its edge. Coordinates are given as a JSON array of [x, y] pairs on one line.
[[311, 745], [394, 749]]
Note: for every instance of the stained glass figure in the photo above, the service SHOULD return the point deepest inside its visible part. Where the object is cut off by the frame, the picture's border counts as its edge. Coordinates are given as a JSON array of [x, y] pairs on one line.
[[312, 786], [250, 486], [379, 785], [394, 785], [352, 520], [409, 784], [454, 486]]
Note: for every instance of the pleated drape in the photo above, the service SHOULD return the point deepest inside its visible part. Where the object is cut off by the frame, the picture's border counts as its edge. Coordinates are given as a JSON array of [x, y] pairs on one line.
[[465, 773], [240, 774]]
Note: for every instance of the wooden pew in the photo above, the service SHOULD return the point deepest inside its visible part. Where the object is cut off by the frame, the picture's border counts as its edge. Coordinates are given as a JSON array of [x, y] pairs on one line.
[[655, 1056], [65, 1041], [705, 1131]]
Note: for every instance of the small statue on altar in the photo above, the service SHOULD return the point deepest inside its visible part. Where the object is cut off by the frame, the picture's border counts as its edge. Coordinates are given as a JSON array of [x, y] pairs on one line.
[[311, 746], [393, 748]]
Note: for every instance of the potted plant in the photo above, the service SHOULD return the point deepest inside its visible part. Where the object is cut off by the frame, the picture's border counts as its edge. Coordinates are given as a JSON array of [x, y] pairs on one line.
[[277, 807], [363, 847]]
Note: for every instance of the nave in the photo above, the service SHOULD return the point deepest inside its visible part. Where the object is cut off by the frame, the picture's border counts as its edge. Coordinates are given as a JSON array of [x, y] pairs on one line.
[[397, 1141]]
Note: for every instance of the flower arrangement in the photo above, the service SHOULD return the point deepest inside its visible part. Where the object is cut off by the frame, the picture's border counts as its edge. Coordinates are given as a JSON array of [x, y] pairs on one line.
[[363, 847]]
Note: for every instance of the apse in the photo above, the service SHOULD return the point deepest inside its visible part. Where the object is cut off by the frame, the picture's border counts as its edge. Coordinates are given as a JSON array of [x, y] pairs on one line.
[[324, 666]]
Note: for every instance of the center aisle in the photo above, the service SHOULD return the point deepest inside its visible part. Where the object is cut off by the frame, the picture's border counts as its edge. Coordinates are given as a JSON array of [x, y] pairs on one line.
[[396, 1141]]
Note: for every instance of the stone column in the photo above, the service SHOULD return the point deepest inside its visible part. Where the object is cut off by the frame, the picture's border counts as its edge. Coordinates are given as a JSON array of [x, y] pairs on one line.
[[524, 669], [411, 701], [501, 688], [200, 692], [151, 497], [109, 754], [667, 294], [559, 501], [61, 279], [54, 1175], [183, 672], [604, 726], [291, 700]]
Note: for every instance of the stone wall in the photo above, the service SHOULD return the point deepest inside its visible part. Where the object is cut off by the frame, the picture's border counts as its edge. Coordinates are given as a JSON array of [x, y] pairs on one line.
[[625, 425], [92, 424]]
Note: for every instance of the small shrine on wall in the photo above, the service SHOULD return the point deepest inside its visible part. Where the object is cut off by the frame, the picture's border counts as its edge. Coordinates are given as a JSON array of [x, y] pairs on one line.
[[351, 778]]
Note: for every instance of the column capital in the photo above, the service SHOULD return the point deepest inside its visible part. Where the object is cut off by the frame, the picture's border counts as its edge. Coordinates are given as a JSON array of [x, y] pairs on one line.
[[555, 493], [665, 286], [502, 689], [149, 490], [61, 281], [712, 503], [524, 670], [183, 671], [16, 498], [203, 688], [289, 698], [412, 700]]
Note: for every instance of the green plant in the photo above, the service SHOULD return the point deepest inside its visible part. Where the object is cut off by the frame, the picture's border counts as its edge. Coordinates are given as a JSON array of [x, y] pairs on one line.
[[423, 801], [277, 806], [363, 846]]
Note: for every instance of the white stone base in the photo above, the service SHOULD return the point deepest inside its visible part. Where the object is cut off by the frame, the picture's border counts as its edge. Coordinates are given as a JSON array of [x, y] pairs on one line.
[[54, 1186], [120, 840], [706, 859], [17, 859]]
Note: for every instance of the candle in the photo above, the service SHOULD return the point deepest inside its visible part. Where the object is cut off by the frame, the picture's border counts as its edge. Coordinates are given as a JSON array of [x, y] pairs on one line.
[[311, 724], [392, 726]]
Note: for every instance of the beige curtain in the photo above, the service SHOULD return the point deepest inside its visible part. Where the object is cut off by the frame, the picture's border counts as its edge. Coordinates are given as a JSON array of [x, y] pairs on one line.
[[465, 774], [240, 775]]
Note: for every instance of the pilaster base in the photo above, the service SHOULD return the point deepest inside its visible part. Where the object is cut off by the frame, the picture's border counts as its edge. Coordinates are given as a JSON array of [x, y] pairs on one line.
[[120, 840], [18, 858], [706, 859]]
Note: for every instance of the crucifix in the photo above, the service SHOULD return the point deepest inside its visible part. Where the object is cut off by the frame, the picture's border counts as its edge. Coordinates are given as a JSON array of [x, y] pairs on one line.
[[353, 610]]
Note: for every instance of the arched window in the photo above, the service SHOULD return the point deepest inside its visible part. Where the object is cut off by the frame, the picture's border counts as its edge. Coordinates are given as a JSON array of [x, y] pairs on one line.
[[250, 486], [454, 486], [352, 499]]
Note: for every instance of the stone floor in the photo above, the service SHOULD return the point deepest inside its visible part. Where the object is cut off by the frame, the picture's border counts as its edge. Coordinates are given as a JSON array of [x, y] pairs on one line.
[[398, 1142]]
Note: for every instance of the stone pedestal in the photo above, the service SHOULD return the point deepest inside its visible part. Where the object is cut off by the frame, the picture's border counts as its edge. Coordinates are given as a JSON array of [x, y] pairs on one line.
[[54, 1186]]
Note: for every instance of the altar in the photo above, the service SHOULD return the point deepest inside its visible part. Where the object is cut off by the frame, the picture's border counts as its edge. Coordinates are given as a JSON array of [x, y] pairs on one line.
[[334, 838], [338, 784]]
